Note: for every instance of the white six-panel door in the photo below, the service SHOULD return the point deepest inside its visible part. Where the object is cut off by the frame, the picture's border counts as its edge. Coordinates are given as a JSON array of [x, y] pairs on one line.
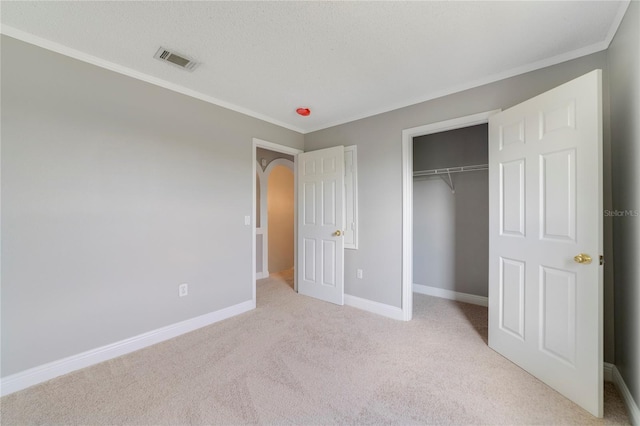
[[545, 308], [321, 224]]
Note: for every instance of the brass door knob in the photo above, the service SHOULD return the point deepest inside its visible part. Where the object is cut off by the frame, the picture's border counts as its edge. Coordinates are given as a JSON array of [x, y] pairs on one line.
[[337, 233], [582, 258]]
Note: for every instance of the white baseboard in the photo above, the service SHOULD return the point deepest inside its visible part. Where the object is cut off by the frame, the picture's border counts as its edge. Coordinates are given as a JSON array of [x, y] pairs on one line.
[[374, 307], [632, 407], [261, 275], [452, 295], [607, 371], [42, 373]]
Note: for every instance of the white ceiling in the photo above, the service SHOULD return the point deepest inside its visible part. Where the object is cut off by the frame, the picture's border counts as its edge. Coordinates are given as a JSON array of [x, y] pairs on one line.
[[344, 60]]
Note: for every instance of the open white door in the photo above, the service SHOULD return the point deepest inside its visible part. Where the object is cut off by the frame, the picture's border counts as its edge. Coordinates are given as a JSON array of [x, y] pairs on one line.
[[545, 195], [320, 224]]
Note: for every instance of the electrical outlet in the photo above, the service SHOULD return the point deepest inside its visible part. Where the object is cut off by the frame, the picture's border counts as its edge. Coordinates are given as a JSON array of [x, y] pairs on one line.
[[183, 290], [359, 274]]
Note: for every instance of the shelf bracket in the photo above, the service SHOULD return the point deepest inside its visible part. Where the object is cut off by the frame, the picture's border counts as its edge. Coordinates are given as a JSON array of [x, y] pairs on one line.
[[449, 182]]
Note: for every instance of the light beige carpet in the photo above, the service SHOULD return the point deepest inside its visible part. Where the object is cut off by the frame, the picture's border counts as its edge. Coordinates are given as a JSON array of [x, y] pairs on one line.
[[296, 360]]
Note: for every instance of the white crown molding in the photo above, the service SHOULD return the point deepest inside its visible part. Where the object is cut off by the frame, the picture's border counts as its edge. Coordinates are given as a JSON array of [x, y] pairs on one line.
[[451, 295], [622, 9], [374, 307], [564, 57], [42, 373], [120, 69]]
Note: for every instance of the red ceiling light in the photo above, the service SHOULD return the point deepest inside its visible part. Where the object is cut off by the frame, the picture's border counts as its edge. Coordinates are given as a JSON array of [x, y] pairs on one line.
[[303, 112]]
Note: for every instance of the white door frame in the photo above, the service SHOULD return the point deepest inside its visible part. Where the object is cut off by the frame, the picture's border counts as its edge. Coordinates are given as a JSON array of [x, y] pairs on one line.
[[259, 143], [407, 195], [264, 273]]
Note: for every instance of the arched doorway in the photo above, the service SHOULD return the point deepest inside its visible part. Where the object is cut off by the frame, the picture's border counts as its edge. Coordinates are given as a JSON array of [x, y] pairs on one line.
[[275, 217], [280, 216]]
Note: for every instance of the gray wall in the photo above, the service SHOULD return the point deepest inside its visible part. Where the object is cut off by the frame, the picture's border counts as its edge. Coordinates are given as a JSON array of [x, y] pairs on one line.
[[451, 230], [624, 60], [451, 233], [467, 146], [269, 156], [115, 191], [379, 141]]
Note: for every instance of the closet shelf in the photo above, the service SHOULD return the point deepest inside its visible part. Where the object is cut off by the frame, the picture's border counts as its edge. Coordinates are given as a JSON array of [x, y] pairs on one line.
[[449, 170]]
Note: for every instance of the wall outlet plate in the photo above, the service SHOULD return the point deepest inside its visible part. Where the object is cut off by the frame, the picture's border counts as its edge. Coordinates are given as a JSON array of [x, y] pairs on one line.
[[183, 290]]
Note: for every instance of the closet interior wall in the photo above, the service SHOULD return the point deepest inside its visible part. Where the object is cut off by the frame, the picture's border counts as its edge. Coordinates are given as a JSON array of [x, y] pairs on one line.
[[451, 228]]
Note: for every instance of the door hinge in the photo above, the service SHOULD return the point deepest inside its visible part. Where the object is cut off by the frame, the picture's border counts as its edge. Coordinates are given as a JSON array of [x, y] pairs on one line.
[[601, 260]]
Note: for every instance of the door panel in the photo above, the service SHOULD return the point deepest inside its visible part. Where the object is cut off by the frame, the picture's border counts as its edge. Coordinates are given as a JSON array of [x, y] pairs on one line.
[[545, 180], [309, 259], [511, 134], [512, 198], [512, 297], [320, 234], [309, 203], [557, 313], [329, 273], [329, 215], [558, 195], [557, 118]]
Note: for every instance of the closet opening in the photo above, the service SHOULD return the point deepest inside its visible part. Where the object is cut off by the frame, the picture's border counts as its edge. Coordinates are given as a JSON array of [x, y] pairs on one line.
[[451, 216]]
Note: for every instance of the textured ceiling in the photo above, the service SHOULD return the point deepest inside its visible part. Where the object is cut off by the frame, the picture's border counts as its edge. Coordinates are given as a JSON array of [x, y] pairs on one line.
[[344, 60]]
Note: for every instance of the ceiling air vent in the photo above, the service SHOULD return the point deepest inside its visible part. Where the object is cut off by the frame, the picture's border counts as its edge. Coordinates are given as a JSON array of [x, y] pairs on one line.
[[175, 59]]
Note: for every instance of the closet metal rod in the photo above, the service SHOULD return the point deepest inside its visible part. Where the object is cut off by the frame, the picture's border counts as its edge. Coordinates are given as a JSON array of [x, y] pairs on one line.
[[449, 170]]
